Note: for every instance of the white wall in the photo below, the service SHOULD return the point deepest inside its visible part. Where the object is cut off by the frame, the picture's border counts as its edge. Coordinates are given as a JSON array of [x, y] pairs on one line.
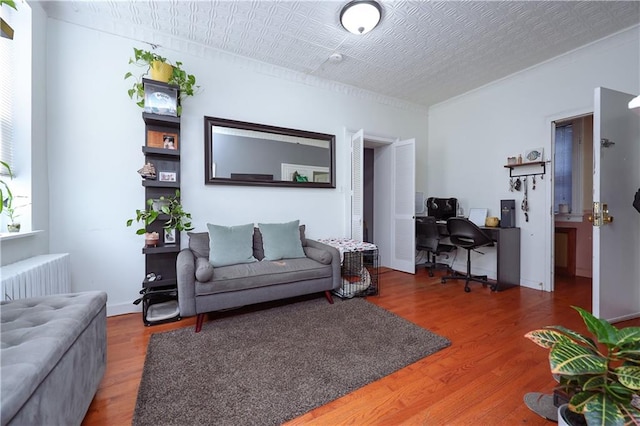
[[95, 133], [472, 135]]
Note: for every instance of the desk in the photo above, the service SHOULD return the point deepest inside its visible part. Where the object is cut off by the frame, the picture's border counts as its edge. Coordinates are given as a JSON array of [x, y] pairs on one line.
[[507, 254]]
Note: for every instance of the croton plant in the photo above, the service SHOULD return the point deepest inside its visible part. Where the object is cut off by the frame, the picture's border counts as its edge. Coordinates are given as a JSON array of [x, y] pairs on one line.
[[601, 375]]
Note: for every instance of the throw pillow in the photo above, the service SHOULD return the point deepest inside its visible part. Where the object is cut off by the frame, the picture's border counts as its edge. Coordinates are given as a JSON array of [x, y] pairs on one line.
[[230, 245], [199, 243], [204, 270], [281, 240], [258, 250], [318, 255]]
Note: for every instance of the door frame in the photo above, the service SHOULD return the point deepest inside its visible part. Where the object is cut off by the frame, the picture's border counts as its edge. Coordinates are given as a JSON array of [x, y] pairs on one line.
[[382, 142]]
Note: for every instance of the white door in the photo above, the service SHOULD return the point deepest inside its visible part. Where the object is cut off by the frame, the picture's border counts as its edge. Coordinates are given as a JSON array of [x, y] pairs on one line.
[[616, 178], [357, 166], [403, 204]]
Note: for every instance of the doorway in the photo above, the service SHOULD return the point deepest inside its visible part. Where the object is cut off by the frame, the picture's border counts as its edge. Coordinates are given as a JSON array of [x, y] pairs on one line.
[[572, 188], [368, 194], [393, 230]]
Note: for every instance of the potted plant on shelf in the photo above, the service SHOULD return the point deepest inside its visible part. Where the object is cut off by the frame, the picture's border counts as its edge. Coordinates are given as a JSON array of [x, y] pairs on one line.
[[5, 194], [177, 219], [7, 206], [160, 69], [11, 212], [601, 376]]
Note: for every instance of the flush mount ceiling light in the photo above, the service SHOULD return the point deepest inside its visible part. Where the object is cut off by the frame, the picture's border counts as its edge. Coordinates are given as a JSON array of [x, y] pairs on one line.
[[360, 16]]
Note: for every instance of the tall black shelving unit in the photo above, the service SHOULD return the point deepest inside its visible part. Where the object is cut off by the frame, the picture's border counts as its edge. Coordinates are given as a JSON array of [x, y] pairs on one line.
[[160, 296]]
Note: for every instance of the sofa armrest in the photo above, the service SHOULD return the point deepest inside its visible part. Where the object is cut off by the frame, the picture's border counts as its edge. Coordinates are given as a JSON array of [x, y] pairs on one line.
[[186, 276], [335, 260]]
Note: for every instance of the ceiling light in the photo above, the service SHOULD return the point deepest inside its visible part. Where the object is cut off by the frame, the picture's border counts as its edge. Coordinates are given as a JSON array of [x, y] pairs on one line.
[[634, 104], [360, 16]]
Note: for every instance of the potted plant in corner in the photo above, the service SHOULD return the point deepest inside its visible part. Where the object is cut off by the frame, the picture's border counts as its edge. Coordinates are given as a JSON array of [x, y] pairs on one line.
[[160, 69], [177, 219], [601, 375]]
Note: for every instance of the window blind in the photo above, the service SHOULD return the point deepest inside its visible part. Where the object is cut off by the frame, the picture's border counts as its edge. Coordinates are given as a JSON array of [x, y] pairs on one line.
[[6, 101], [563, 158]]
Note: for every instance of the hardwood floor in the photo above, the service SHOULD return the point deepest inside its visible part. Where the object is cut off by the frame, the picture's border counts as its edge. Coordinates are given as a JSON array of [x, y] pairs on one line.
[[480, 379]]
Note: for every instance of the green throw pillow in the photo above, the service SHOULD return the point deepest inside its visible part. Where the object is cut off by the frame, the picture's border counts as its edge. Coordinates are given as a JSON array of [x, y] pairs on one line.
[[281, 240], [230, 245]]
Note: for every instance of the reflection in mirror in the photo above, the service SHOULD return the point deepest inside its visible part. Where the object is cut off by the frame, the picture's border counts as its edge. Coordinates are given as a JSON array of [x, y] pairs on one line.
[[240, 153]]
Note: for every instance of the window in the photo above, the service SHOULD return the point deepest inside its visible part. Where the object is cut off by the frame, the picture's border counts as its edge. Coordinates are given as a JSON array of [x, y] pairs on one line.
[[563, 158], [7, 62], [15, 110]]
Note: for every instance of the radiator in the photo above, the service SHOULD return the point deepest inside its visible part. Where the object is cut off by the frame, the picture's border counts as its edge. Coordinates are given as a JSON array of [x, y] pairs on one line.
[[36, 276]]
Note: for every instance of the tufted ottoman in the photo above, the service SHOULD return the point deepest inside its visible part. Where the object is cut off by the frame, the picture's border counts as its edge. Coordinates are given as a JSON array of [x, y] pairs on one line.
[[52, 357]]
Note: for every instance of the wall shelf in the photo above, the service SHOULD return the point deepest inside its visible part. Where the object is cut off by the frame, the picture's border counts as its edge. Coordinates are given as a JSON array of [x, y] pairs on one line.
[[527, 169], [160, 184], [147, 150]]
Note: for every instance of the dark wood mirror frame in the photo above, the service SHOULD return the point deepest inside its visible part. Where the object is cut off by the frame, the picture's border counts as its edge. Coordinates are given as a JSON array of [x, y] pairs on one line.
[[246, 175]]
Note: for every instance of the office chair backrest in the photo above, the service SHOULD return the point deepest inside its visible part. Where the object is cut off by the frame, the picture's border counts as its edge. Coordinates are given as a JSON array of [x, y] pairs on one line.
[[465, 233], [427, 233]]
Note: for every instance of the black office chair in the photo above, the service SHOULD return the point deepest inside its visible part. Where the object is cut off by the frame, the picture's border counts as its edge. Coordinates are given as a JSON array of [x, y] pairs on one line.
[[467, 235], [428, 239]]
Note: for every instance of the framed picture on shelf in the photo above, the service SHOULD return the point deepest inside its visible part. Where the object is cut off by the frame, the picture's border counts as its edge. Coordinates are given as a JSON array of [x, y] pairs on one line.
[[168, 177], [169, 236], [166, 140]]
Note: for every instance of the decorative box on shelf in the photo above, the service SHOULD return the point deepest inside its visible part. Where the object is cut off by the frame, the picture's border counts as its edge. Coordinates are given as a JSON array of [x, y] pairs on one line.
[[160, 98]]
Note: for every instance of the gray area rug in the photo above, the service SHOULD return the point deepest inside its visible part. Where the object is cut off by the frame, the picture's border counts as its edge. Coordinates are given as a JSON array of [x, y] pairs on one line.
[[269, 366]]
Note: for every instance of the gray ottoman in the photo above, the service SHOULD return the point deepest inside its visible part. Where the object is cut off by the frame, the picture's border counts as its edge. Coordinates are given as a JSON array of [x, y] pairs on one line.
[[53, 357]]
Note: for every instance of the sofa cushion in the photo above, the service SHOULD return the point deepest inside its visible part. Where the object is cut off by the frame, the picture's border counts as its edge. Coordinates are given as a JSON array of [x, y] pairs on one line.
[[258, 250], [229, 245], [260, 274], [204, 269], [199, 243], [281, 240]]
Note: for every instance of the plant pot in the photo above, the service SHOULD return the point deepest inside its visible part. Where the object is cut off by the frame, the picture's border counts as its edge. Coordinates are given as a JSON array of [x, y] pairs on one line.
[[161, 71], [13, 227], [567, 417], [151, 239]]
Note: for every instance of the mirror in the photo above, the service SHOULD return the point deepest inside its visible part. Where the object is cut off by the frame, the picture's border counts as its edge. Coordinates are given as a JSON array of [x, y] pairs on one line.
[[239, 153]]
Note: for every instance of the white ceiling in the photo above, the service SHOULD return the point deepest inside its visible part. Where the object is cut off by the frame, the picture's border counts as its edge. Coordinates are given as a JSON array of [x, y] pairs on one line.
[[422, 52]]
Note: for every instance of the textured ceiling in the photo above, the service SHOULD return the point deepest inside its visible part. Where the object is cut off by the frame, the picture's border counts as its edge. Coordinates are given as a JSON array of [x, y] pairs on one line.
[[422, 52]]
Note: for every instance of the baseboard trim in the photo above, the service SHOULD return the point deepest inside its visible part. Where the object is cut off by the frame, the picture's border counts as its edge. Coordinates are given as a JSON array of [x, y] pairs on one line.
[[123, 308]]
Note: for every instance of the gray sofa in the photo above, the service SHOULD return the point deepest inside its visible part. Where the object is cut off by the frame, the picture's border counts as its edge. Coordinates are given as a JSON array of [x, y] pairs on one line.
[[53, 357], [203, 288]]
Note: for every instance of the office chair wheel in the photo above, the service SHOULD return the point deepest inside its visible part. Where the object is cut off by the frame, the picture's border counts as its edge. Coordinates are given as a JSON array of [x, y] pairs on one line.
[[443, 281], [467, 290], [430, 273]]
